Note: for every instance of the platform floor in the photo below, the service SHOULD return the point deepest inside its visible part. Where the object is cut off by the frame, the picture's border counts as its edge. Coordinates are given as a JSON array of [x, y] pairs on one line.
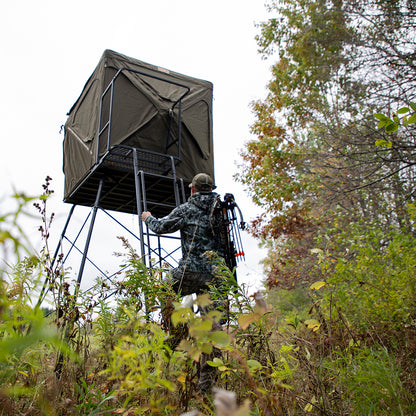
[[119, 188]]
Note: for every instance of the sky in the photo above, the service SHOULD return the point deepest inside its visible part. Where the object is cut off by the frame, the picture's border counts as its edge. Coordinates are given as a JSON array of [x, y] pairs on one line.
[[50, 48]]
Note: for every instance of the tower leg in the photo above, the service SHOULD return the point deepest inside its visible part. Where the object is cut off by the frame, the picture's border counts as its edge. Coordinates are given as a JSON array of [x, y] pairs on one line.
[[140, 203], [70, 323], [87, 242]]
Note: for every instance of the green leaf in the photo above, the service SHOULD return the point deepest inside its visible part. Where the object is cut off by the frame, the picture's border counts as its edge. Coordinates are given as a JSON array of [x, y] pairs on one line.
[[216, 362], [403, 110], [390, 128], [381, 117], [206, 348], [253, 365], [382, 123], [412, 119], [384, 143], [413, 105], [168, 384], [15, 345], [220, 338]]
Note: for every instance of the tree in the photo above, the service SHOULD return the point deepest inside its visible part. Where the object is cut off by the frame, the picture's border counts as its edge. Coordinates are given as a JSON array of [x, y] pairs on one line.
[[338, 63]]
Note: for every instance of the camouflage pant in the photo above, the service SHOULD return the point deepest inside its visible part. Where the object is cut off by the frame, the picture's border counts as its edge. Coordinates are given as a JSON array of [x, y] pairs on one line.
[[187, 283], [207, 374]]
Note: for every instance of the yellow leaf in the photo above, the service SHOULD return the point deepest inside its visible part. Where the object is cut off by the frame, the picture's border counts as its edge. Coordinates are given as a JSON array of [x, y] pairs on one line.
[[181, 316], [181, 379], [215, 316], [195, 355], [203, 300], [201, 325], [312, 324], [185, 345], [317, 285], [245, 320]]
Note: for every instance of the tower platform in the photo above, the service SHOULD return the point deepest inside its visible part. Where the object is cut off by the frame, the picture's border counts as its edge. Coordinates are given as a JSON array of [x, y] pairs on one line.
[[160, 190]]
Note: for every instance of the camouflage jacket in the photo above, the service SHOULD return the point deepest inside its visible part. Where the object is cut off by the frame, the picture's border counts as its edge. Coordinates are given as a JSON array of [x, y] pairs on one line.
[[199, 228]]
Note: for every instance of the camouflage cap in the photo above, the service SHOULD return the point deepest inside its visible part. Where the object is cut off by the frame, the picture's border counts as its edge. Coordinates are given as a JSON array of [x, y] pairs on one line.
[[203, 182]]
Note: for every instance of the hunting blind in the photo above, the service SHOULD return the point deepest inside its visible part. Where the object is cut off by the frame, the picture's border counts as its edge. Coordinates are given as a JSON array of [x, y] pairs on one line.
[[136, 121]]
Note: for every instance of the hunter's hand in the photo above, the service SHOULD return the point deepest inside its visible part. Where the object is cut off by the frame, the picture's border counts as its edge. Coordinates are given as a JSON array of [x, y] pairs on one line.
[[145, 214]]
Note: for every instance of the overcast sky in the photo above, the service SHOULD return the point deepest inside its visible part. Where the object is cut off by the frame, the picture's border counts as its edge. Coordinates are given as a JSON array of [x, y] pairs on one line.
[[50, 48]]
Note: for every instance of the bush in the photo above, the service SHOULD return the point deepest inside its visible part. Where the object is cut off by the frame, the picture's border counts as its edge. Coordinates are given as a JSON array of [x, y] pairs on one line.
[[373, 284]]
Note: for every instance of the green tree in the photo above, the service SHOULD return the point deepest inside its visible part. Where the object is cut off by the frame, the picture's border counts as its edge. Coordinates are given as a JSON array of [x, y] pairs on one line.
[[337, 64]]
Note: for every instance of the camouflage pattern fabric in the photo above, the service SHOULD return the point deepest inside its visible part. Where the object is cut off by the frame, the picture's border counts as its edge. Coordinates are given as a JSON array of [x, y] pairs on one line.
[[199, 228], [199, 225], [207, 375], [191, 282]]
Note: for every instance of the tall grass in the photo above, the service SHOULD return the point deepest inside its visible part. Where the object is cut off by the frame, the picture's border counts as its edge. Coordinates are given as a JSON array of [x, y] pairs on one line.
[[281, 352]]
